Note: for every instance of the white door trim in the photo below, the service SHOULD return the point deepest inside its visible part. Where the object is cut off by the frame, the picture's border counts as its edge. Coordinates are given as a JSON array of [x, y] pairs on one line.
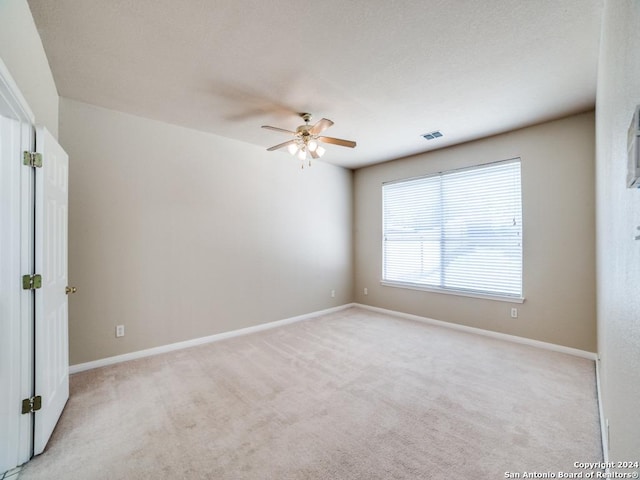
[[11, 99]]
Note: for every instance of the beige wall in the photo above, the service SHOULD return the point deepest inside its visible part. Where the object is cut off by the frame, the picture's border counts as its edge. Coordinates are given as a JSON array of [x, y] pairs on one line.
[[22, 52], [558, 221], [618, 216], [179, 234]]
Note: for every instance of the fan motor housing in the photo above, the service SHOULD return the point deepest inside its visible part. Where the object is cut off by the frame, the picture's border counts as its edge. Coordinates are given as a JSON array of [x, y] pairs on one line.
[[303, 130]]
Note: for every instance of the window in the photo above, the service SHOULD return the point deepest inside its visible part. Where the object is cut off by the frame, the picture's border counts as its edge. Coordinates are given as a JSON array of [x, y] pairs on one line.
[[458, 231]]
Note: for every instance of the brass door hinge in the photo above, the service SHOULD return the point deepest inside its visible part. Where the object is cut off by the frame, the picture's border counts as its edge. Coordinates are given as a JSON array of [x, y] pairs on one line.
[[32, 159], [31, 282], [30, 405]]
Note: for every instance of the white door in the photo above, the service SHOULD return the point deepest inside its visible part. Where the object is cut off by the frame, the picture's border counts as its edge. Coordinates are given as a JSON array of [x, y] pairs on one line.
[[16, 304], [51, 325], [16, 260]]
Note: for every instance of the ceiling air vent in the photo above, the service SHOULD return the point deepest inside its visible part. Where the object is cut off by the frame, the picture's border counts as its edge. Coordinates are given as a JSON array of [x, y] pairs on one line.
[[432, 135]]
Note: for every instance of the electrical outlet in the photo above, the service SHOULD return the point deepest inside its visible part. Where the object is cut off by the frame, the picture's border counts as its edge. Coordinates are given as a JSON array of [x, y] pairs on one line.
[[514, 312], [366, 291], [120, 331], [333, 294]]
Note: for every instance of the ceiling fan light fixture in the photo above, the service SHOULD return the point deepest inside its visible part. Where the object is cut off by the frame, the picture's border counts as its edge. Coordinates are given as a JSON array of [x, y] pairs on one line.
[[302, 155], [312, 145], [320, 151], [293, 149]]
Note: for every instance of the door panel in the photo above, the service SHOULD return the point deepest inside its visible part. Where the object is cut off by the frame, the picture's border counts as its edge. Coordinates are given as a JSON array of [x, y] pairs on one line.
[[51, 329], [16, 304], [16, 259]]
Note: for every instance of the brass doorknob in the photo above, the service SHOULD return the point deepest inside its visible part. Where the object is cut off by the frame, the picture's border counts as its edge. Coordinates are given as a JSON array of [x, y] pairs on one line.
[[69, 290]]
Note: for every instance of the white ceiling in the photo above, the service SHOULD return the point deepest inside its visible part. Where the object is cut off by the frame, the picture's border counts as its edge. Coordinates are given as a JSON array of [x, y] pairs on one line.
[[385, 71]]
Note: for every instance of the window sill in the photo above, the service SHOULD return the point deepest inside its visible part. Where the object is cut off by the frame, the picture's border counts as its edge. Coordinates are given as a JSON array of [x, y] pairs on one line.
[[459, 293]]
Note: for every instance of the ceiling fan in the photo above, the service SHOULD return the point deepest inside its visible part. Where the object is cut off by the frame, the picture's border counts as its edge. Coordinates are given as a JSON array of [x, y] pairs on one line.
[[306, 137]]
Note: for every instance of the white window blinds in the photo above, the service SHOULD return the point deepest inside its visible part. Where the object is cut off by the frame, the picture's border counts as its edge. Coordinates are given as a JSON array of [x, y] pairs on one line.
[[459, 231]]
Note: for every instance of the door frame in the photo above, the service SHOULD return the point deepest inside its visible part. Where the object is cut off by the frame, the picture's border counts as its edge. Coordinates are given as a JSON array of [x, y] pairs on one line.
[[17, 258]]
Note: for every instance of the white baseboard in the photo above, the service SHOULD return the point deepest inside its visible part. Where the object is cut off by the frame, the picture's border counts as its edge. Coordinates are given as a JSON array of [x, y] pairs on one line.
[[81, 367], [487, 333], [603, 421]]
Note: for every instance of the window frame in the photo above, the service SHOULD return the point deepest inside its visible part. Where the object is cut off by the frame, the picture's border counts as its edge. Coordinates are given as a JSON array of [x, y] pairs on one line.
[[448, 290]]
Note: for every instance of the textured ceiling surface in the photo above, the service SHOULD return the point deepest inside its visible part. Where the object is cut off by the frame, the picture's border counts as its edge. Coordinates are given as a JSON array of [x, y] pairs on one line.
[[385, 72]]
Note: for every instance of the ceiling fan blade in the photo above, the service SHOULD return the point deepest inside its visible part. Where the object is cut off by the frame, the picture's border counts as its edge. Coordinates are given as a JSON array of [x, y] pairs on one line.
[[321, 126], [280, 145], [338, 141], [276, 129], [314, 154]]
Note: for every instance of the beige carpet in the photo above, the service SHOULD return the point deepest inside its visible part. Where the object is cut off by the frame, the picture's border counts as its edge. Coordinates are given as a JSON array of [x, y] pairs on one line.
[[352, 395]]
